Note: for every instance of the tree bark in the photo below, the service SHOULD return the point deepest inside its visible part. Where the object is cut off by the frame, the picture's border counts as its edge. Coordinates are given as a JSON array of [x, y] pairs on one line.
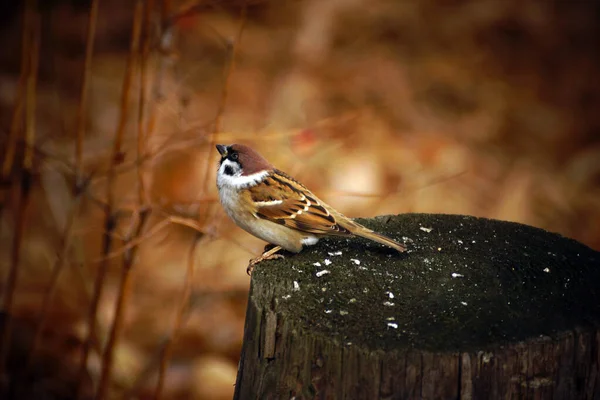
[[476, 309]]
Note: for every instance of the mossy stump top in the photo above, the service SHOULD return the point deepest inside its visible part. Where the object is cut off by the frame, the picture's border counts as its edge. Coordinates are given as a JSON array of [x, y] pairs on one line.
[[476, 307]]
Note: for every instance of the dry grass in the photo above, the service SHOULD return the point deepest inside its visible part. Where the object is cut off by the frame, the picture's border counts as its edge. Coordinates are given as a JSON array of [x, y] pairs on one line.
[[122, 275]]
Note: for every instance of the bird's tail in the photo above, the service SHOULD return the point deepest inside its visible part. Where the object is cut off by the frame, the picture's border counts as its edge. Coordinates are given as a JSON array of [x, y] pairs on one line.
[[376, 237]]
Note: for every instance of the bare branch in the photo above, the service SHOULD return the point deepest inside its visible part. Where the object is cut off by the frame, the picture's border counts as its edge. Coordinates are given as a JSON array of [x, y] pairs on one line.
[[87, 72], [179, 319], [22, 201], [110, 217]]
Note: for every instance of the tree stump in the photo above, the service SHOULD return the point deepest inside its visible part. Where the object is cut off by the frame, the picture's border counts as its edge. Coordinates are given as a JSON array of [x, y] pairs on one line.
[[476, 309]]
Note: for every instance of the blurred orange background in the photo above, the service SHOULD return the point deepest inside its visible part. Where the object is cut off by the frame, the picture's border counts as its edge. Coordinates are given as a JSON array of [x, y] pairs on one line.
[[480, 107]]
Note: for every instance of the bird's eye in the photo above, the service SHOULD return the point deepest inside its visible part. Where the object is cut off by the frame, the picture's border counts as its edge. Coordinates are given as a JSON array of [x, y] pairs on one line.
[[234, 156]]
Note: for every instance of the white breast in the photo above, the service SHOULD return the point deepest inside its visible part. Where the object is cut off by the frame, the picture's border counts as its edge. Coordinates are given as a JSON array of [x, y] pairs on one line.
[[229, 194]]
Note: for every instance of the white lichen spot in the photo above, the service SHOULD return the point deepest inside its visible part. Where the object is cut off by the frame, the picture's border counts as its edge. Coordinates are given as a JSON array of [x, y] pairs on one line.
[[457, 275], [388, 303], [464, 303], [317, 264], [342, 312], [425, 229], [322, 272], [355, 261], [323, 289], [392, 325], [296, 286], [287, 296], [334, 253], [486, 357], [439, 249], [328, 311], [547, 270], [460, 241], [390, 295], [327, 262]]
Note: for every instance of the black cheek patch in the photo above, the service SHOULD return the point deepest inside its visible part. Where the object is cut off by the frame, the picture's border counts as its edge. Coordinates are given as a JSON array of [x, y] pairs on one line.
[[228, 170]]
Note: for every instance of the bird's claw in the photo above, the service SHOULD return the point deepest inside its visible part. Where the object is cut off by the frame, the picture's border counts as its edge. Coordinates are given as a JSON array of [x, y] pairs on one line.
[[260, 259]]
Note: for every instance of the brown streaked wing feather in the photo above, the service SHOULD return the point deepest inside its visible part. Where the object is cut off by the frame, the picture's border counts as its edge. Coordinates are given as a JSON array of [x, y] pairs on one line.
[[287, 202]]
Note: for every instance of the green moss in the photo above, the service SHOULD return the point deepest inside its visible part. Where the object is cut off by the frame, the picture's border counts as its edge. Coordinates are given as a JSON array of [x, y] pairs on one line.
[[511, 282]]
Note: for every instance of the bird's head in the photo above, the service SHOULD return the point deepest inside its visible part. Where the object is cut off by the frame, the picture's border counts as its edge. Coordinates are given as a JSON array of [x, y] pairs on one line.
[[239, 163]]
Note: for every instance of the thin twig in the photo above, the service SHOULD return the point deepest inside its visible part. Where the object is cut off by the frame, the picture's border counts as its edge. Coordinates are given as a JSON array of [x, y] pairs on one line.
[[13, 139], [170, 219], [179, 319], [186, 222], [17, 117], [197, 300], [109, 226], [122, 300], [149, 40], [31, 92], [142, 136], [136, 241], [221, 110], [165, 44], [116, 158], [185, 10], [78, 188], [171, 143], [230, 68], [110, 217], [87, 73], [26, 176], [165, 11], [56, 271]]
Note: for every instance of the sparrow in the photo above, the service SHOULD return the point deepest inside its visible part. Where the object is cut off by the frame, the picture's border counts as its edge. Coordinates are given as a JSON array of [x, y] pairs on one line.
[[276, 208]]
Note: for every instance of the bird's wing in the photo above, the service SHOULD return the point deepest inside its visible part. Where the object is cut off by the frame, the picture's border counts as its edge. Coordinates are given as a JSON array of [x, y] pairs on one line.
[[281, 199]]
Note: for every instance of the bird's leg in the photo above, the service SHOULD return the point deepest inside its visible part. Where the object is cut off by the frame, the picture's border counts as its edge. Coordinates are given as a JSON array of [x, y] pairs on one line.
[[268, 247], [267, 255]]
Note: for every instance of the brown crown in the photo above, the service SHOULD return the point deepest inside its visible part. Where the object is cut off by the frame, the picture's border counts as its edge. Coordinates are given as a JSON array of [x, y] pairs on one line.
[[250, 160]]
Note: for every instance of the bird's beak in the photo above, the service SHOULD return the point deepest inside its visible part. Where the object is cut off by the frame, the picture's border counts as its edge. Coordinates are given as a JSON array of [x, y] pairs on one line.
[[222, 149]]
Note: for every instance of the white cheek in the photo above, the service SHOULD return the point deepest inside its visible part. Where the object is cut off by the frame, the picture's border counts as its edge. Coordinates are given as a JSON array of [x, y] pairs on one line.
[[226, 180], [237, 180], [235, 167]]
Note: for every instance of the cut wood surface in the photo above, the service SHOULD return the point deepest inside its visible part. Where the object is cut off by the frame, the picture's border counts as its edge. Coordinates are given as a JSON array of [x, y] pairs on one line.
[[476, 309]]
